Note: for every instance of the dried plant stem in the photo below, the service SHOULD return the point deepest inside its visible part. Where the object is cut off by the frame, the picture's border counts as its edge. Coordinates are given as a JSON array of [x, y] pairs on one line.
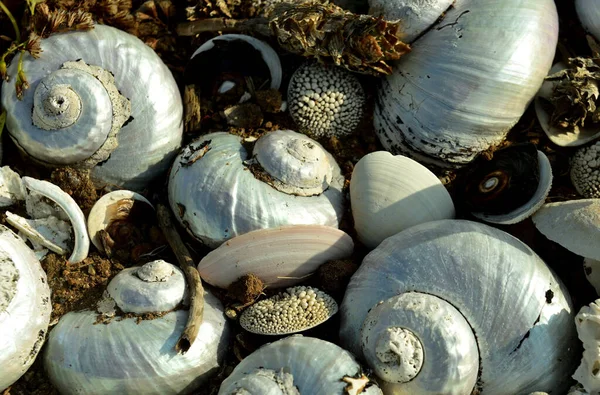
[[192, 276], [257, 25], [13, 21]]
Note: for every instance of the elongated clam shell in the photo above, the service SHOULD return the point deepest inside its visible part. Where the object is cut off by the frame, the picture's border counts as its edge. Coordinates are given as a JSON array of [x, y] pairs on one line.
[[391, 193], [559, 136], [105, 211], [468, 81], [280, 257], [24, 307], [312, 374], [127, 357], [519, 310], [574, 224], [216, 197]]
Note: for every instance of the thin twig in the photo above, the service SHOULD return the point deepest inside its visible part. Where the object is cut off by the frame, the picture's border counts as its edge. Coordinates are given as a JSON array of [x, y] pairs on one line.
[[192, 276], [13, 21]]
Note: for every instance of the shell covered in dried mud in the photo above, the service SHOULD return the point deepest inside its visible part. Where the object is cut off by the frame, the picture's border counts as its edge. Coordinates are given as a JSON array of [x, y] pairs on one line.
[[24, 307], [426, 299], [127, 356], [391, 193], [468, 81], [100, 100], [290, 366], [280, 257], [218, 189]]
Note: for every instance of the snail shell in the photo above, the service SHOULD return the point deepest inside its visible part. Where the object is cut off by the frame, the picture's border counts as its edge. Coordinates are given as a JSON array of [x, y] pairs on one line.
[[588, 12], [516, 312], [76, 104], [218, 190], [456, 95], [24, 307]]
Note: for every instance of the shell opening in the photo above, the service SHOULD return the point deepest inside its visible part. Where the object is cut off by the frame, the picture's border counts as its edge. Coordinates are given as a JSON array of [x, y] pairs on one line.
[[400, 352], [297, 164], [55, 107], [490, 182]]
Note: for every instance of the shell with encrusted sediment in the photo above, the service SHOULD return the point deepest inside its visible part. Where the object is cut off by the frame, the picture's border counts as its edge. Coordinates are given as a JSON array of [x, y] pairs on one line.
[[111, 210], [280, 257], [218, 189], [99, 100], [510, 187], [543, 111], [24, 307], [391, 193], [462, 306], [289, 366], [456, 95], [574, 224], [133, 355]]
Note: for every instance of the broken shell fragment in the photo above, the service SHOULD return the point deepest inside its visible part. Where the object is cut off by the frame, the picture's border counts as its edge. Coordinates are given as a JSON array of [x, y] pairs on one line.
[[295, 310], [280, 257], [219, 190], [50, 232], [510, 187], [112, 208], [290, 364], [587, 322], [24, 307], [11, 187], [573, 224], [155, 286], [391, 193], [585, 171]]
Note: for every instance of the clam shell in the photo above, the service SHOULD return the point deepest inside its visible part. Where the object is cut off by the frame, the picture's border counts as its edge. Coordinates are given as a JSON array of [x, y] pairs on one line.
[[280, 257], [105, 211], [559, 136], [392, 193], [536, 201], [574, 224]]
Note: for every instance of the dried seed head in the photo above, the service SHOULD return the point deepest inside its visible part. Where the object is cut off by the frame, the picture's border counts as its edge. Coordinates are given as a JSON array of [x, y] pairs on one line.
[[325, 101], [296, 310]]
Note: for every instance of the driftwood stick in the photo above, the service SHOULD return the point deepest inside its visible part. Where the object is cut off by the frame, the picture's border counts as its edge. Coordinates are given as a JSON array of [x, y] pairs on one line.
[[192, 276]]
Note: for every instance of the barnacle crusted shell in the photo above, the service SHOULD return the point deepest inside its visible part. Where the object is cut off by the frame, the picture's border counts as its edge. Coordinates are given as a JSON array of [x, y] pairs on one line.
[[216, 196], [328, 374], [127, 356], [585, 171], [518, 310], [154, 129], [297, 309], [24, 307], [325, 101]]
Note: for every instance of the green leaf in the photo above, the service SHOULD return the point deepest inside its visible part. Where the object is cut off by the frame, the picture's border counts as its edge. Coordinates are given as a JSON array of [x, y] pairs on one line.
[[2, 120]]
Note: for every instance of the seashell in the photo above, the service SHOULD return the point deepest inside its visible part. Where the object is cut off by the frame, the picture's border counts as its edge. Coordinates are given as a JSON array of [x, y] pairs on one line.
[[155, 286], [591, 269], [111, 208], [217, 190], [587, 328], [574, 224], [588, 12], [24, 307], [11, 187], [131, 355], [585, 171], [455, 95], [392, 193], [325, 101], [416, 15], [115, 112], [543, 110], [280, 257], [304, 307], [510, 187], [416, 291], [289, 366]]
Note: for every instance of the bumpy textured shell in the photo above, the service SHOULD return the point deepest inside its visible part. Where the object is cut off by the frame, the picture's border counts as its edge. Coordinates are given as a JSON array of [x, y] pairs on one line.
[[215, 196], [468, 81], [519, 310], [126, 357], [24, 322], [147, 144], [317, 366]]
